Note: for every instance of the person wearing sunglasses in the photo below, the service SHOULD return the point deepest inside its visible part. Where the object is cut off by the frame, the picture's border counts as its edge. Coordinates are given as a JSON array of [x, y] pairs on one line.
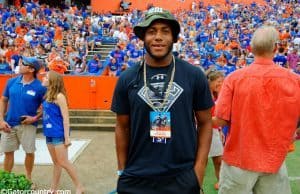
[[19, 114]]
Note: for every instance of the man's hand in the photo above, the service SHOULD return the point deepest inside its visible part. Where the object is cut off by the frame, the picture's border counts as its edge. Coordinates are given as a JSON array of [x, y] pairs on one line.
[[297, 134], [5, 126], [198, 177], [28, 120]]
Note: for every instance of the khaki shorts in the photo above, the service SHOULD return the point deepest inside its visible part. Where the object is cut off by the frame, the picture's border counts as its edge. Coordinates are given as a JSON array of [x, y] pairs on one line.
[[20, 134], [234, 180]]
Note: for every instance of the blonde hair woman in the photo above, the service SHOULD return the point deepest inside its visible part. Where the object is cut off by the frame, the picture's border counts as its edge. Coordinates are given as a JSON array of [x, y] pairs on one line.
[[57, 129]]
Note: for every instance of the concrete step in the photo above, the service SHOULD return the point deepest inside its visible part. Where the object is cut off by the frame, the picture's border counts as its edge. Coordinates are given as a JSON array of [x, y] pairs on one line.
[[108, 45], [89, 127], [101, 120], [93, 119], [91, 113], [106, 48], [99, 51], [103, 55]]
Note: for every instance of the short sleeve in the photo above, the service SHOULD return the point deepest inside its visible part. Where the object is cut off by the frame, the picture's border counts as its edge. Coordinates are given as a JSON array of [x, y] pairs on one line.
[[7, 87], [223, 107], [120, 102]]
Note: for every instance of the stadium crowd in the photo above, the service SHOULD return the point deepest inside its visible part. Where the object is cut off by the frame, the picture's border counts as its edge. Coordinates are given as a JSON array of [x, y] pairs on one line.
[[212, 36]]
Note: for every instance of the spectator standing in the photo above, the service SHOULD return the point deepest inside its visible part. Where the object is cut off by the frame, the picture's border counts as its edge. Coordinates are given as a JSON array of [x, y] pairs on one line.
[[171, 160], [22, 97], [268, 96]]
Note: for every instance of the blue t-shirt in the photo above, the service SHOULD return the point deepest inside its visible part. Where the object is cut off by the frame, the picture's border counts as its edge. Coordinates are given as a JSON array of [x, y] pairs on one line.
[[47, 12], [29, 7], [16, 59], [5, 16], [46, 40], [190, 92], [34, 43], [93, 66], [53, 125], [118, 55], [114, 66], [135, 53], [23, 99], [280, 60], [5, 68]]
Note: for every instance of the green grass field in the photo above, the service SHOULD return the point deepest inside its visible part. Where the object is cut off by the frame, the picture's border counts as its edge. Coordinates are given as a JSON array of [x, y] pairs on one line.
[[293, 165]]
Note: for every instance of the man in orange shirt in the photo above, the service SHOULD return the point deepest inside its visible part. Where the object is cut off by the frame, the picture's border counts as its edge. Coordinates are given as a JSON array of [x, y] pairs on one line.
[[58, 65], [58, 35], [261, 105]]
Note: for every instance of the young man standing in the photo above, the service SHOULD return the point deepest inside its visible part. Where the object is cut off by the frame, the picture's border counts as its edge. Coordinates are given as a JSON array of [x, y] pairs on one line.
[[169, 157]]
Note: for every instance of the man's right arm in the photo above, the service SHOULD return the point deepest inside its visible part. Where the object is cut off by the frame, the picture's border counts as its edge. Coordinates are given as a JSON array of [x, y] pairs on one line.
[[122, 137]]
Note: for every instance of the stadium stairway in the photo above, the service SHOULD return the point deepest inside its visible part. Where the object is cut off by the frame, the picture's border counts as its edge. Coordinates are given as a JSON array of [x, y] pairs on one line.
[[100, 120], [103, 50]]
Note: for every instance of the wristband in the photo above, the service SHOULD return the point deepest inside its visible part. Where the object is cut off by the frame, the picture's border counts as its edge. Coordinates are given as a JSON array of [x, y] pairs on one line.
[[119, 172]]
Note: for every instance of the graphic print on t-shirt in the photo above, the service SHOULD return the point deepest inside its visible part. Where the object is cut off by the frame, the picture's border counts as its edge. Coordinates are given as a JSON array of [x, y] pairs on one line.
[[157, 81]]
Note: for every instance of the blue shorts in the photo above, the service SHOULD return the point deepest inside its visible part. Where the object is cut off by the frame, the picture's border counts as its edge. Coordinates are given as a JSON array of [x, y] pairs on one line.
[[55, 140]]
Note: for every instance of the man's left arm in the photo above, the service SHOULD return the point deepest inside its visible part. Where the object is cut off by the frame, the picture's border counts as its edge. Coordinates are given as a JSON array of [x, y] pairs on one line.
[[204, 128]]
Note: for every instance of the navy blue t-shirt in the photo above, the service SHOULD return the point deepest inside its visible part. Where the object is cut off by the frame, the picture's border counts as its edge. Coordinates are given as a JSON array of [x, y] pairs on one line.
[[190, 92]]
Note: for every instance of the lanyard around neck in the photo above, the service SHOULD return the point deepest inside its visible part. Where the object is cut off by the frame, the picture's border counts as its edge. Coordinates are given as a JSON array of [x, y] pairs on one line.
[[162, 107]]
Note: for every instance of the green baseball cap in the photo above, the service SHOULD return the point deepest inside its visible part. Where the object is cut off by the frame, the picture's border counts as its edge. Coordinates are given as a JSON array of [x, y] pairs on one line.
[[157, 13]]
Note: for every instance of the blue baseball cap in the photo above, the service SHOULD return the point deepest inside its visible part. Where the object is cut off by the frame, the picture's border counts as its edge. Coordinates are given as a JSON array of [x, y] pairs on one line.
[[31, 61]]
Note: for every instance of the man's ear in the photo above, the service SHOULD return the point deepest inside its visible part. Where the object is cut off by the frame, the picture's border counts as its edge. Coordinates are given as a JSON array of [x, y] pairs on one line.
[[32, 69]]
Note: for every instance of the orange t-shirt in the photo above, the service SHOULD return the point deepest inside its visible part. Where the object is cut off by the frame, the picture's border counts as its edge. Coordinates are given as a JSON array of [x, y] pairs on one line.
[[9, 54], [58, 35], [57, 66], [219, 47], [20, 42], [23, 11], [284, 36], [233, 44], [261, 102], [21, 31]]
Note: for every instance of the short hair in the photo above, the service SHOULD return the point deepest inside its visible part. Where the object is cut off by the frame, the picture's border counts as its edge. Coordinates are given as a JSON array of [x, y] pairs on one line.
[[264, 40]]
